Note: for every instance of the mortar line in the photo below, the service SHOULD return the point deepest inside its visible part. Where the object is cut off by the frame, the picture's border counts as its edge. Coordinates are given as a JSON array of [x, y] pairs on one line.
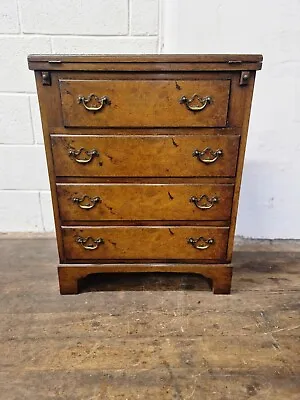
[[129, 19], [160, 27], [19, 18], [31, 121], [83, 35], [41, 211]]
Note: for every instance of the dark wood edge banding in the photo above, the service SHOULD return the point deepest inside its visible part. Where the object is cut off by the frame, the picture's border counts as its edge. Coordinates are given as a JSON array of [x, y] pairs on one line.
[[116, 58], [147, 62]]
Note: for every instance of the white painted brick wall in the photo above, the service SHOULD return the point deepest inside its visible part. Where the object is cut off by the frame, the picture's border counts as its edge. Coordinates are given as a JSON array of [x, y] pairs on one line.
[[139, 25], [21, 211], [14, 49], [270, 195], [9, 17], [127, 44], [15, 119], [69, 26], [23, 167], [270, 192], [75, 17], [36, 119]]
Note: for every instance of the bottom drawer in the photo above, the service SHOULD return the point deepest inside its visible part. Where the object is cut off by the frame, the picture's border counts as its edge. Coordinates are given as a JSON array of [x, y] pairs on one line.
[[146, 243]]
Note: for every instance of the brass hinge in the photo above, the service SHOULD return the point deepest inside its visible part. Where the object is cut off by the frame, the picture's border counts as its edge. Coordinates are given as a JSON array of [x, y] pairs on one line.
[[46, 78], [244, 78], [54, 62]]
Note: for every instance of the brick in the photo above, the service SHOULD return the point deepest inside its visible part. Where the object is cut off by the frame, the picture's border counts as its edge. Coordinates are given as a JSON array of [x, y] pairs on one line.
[[15, 76], [263, 196], [76, 17], [36, 120], [9, 21], [47, 212], [144, 17], [20, 212], [23, 168], [15, 120], [104, 45]]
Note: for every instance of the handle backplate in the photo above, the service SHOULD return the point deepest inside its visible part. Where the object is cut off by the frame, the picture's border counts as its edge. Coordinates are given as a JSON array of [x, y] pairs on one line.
[[86, 202], [195, 103], [201, 243], [88, 155], [204, 202], [208, 156], [97, 103], [89, 243]]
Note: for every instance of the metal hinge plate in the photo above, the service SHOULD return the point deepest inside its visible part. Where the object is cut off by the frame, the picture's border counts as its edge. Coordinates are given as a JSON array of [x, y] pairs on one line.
[[46, 78], [234, 62], [244, 79]]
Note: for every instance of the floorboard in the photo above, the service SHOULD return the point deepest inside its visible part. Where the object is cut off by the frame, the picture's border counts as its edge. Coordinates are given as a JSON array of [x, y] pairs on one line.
[[150, 336]]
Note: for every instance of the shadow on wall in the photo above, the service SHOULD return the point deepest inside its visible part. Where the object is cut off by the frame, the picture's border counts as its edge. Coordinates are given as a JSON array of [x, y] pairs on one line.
[[267, 187]]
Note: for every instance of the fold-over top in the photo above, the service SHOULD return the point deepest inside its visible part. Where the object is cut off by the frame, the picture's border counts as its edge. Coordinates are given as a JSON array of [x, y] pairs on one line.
[[170, 62]]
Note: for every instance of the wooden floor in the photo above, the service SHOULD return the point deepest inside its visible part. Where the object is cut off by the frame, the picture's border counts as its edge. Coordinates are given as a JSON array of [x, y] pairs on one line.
[[150, 336]]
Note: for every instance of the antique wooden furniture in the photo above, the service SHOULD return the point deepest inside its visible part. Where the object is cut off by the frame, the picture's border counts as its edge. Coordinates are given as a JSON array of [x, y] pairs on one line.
[[145, 157]]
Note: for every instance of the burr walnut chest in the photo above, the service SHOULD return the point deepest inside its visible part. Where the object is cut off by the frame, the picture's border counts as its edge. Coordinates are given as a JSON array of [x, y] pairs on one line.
[[145, 157]]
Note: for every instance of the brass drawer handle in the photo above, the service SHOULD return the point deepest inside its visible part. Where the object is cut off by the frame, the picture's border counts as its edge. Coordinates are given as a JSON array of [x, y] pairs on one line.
[[90, 154], [200, 102], [94, 99], [201, 243], [89, 243], [208, 156], [204, 202], [86, 202]]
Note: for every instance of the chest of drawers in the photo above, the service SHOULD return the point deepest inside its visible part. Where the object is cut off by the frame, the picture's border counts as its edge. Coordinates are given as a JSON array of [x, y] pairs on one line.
[[145, 157]]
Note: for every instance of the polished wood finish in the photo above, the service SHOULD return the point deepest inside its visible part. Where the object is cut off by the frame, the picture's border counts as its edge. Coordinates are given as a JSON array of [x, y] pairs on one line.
[[144, 243], [149, 62], [144, 150], [70, 275], [229, 59], [144, 202], [55, 118], [134, 103], [154, 156], [145, 131]]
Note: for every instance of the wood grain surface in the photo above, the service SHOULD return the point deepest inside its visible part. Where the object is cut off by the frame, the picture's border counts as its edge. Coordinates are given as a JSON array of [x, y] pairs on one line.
[[155, 58], [144, 103], [144, 202], [142, 243], [157, 156], [147, 62]]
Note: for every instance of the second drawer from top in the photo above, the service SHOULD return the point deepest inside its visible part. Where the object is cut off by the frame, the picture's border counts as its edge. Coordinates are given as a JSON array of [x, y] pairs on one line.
[[145, 156]]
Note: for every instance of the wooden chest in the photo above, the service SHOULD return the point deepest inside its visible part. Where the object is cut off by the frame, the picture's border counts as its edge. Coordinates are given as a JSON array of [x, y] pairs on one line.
[[145, 157]]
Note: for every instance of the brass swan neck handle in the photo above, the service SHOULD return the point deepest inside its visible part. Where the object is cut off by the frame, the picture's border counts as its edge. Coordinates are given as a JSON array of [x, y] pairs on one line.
[[195, 103], [93, 99]]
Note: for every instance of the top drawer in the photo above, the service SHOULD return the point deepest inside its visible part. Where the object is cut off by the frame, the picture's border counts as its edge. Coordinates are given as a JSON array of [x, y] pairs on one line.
[[149, 103]]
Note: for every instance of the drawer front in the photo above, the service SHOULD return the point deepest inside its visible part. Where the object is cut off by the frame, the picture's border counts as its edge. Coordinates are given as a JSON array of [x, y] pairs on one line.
[[146, 243], [95, 202], [152, 103], [146, 156]]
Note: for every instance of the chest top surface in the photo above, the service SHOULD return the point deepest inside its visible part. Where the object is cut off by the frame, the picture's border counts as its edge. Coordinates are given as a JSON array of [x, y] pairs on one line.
[[195, 62]]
